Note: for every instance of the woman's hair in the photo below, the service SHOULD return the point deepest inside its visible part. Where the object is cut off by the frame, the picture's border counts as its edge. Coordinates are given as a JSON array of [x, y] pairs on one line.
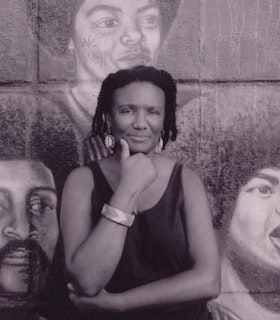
[[122, 78], [52, 21]]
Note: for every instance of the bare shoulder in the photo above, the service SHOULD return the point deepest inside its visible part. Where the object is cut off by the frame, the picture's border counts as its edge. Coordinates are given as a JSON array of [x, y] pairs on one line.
[[191, 181], [81, 176], [189, 174]]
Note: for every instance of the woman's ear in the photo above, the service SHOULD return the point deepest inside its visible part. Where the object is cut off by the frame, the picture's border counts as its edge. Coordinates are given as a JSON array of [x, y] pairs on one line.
[[108, 120]]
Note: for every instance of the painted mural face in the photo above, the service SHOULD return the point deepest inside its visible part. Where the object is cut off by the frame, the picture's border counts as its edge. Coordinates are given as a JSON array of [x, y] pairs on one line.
[[115, 34], [28, 226], [255, 225], [138, 114]]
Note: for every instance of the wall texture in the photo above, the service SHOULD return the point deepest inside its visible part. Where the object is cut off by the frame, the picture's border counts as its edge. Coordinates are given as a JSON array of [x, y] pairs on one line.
[[225, 56]]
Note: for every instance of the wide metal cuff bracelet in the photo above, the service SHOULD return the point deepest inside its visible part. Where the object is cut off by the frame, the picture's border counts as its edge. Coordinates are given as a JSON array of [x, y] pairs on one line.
[[118, 216]]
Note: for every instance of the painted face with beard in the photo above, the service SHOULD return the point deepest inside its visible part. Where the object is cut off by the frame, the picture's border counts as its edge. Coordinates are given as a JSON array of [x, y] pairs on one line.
[[115, 34], [255, 226], [28, 227]]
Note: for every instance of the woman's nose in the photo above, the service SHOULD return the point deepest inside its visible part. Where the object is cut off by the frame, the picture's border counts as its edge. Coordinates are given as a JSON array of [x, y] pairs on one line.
[[131, 35], [140, 121]]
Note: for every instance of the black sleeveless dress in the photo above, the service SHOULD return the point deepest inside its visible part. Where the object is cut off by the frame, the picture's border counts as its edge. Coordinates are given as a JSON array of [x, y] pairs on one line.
[[156, 247]]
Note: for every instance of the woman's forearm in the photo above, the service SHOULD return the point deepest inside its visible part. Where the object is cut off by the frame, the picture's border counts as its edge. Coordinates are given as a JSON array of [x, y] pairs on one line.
[[185, 287], [95, 260]]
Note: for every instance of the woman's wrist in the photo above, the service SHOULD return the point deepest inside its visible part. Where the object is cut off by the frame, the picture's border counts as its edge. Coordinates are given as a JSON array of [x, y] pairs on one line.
[[124, 199], [118, 216]]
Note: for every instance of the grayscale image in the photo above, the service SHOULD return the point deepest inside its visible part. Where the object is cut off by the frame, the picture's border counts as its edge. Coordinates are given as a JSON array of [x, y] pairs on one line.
[[93, 151]]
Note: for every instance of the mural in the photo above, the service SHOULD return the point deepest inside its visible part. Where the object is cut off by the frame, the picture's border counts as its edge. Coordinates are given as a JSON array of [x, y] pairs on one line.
[[234, 132], [98, 39], [51, 123], [225, 57], [247, 197], [28, 228]]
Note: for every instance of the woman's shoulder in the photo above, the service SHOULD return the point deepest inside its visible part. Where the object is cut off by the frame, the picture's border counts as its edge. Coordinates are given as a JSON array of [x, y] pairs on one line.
[[191, 182], [189, 173], [81, 175]]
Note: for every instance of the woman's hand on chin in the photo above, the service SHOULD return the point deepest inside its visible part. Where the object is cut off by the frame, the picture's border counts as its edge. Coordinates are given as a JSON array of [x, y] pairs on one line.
[[103, 301], [137, 171]]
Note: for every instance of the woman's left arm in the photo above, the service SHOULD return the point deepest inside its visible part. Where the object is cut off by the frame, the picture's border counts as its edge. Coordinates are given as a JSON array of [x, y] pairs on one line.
[[202, 282]]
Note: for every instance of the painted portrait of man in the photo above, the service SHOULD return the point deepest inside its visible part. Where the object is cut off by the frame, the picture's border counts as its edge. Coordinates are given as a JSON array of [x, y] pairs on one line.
[[28, 230]]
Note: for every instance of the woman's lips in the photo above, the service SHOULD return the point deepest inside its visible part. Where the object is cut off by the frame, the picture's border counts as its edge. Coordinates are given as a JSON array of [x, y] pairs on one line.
[[139, 138]]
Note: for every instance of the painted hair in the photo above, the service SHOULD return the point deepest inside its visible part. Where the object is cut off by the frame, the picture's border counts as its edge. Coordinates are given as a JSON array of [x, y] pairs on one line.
[[245, 141], [120, 79], [52, 21], [226, 136]]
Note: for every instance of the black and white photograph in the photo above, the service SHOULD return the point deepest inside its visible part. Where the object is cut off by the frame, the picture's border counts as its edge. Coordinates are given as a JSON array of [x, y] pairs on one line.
[[139, 160]]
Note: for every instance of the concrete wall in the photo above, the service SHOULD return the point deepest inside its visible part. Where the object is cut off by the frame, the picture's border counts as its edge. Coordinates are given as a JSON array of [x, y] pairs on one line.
[[225, 56]]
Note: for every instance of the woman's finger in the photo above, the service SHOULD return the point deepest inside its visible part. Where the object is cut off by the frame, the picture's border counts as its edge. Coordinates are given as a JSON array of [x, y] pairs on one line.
[[125, 152], [71, 287]]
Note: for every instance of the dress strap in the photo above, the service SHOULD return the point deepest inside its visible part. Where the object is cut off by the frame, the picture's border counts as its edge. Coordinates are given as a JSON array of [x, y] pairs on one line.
[[98, 176]]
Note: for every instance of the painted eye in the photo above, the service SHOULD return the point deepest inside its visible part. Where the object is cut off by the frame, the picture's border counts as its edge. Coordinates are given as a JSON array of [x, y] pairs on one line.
[[39, 207], [3, 209], [108, 23], [265, 190], [149, 21]]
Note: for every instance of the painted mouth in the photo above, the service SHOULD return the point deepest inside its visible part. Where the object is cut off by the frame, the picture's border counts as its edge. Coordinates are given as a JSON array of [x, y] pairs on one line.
[[275, 238], [19, 257], [135, 59]]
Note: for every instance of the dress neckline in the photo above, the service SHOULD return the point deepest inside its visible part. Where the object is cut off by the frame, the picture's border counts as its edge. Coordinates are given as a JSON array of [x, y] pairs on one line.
[[177, 166]]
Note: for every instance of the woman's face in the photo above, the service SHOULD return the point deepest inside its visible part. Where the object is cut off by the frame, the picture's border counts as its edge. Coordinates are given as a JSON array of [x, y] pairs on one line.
[[137, 116], [115, 34]]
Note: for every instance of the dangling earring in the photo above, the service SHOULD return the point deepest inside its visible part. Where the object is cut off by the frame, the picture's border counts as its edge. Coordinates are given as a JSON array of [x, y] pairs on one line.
[[109, 141], [159, 145]]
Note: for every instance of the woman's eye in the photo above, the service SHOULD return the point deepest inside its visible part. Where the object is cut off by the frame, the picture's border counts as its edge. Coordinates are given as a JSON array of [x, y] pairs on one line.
[[126, 111], [149, 21], [156, 112]]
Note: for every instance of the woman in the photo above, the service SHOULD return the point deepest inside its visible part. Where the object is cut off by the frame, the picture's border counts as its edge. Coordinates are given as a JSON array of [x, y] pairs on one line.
[[136, 225]]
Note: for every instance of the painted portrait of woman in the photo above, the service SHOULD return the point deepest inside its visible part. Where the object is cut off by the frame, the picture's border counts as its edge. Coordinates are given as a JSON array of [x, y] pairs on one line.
[[100, 37]]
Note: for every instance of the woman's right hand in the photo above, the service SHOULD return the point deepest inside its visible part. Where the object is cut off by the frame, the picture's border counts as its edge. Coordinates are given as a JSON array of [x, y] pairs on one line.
[[137, 171]]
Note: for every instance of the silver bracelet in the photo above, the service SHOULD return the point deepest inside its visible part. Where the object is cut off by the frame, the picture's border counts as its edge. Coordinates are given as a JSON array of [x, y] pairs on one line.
[[117, 216]]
